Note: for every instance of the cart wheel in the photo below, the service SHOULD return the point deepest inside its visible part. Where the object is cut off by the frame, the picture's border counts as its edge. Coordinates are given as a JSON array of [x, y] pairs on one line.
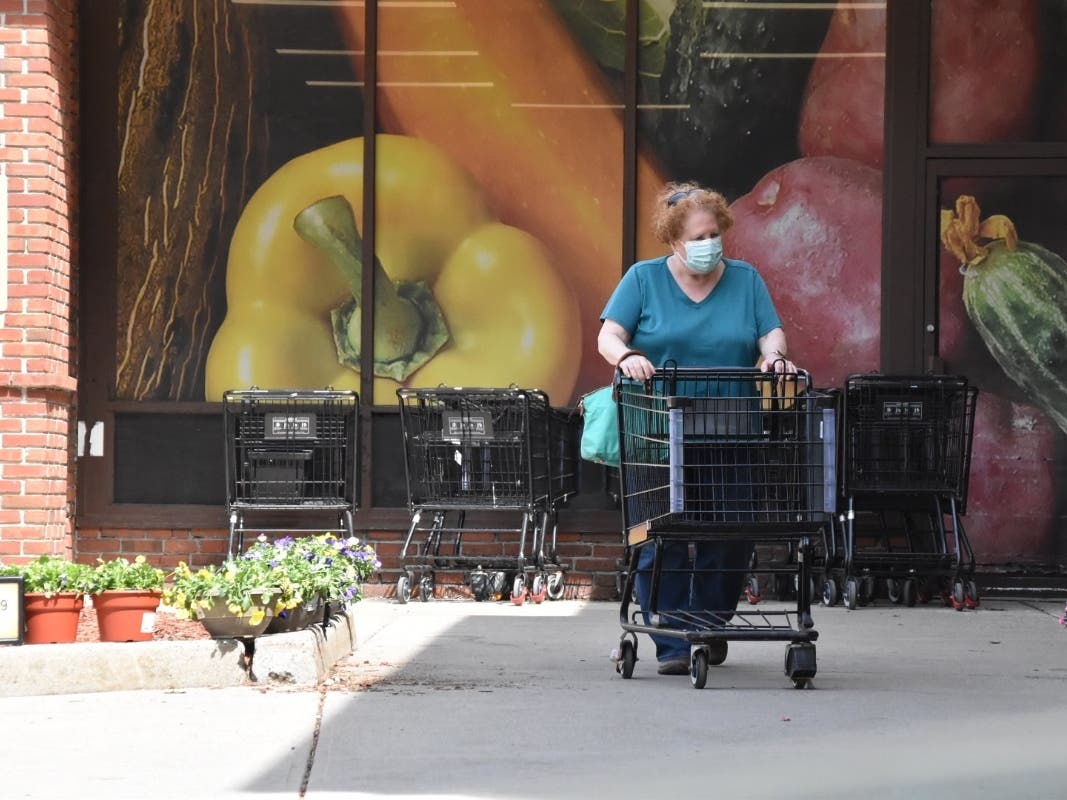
[[518, 590], [752, 591], [538, 591], [498, 580], [851, 594], [426, 588], [629, 658], [959, 595], [403, 589], [698, 669], [866, 590], [971, 596], [479, 583], [829, 592], [892, 590], [907, 593], [800, 664], [556, 586]]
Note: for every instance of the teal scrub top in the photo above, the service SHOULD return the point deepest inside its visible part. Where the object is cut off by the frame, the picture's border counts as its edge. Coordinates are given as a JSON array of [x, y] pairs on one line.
[[722, 330]]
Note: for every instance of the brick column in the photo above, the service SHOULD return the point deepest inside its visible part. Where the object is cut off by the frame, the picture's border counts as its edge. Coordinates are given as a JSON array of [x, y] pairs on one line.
[[38, 140]]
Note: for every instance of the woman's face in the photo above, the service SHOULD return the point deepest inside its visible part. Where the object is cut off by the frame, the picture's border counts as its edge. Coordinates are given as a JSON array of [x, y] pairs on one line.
[[700, 224]]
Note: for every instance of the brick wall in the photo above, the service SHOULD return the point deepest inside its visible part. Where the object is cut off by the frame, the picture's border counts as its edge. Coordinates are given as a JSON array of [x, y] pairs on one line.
[[38, 126], [591, 558], [164, 548]]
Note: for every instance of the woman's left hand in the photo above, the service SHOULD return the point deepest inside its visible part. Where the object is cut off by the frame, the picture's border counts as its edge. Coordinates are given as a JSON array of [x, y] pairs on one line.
[[778, 364]]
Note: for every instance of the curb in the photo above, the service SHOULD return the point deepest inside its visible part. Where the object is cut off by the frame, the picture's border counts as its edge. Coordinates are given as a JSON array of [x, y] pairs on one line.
[[297, 659]]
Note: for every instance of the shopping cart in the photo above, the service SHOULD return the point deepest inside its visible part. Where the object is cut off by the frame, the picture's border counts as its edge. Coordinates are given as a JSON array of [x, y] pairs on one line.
[[506, 451], [290, 451], [725, 455], [906, 452]]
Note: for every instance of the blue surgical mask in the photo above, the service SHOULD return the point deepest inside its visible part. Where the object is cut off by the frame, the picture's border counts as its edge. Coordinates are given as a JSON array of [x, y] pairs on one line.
[[703, 255]]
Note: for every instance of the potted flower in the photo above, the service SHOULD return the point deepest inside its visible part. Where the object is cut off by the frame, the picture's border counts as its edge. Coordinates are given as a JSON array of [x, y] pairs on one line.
[[300, 598], [126, 595], [312, 572], [234, 599], [55, 593], [348, 563]]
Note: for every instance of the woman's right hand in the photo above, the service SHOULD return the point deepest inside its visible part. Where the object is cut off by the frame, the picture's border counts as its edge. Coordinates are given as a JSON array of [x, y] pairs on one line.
[[636, 367]]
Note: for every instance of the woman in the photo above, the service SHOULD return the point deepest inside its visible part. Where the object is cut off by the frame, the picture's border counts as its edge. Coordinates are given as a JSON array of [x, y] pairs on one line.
[[698, 309]]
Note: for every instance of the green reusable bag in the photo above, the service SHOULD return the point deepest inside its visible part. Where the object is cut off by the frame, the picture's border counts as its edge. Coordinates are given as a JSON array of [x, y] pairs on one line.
[[600, 427]]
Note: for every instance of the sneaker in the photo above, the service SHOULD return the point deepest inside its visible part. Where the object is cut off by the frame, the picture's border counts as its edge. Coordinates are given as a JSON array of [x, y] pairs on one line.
[[674, 666], [717, 650]]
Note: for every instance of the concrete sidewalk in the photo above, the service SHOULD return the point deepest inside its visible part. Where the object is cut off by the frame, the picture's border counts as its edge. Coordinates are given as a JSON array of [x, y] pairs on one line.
[[462, 699]]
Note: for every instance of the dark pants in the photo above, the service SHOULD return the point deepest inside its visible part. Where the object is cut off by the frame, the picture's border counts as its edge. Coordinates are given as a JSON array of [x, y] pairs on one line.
[[718, 487]]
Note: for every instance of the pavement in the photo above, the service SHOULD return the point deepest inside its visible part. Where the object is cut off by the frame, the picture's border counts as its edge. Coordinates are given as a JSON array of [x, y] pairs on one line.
[[453, 699]]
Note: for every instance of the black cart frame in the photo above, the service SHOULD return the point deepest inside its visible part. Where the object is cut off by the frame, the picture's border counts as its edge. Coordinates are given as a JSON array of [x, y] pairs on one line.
[[906, 455], [291, 451], [725, 455], [485, 450]]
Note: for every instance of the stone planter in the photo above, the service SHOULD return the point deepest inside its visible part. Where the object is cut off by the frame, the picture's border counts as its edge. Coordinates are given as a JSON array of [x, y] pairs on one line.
[[296, 619], [222, 623]]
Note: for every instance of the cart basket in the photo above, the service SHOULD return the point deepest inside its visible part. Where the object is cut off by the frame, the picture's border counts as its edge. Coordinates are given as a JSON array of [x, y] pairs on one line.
[[288, 449], [727, 450], [477, 448], [908, 435]]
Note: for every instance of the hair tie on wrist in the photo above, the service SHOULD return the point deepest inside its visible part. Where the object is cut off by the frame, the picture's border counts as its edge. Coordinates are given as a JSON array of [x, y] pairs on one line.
[[626, 355]]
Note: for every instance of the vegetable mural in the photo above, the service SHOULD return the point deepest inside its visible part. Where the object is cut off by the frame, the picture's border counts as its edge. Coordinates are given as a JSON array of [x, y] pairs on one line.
[[725, 117], [545, 145], [814, 227], [1015, 294], [460, 297], [184, 173], [844, 103]]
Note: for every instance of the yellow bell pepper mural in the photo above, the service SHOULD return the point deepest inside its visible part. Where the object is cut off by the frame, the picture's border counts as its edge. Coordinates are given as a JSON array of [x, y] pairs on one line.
[[460, 297]]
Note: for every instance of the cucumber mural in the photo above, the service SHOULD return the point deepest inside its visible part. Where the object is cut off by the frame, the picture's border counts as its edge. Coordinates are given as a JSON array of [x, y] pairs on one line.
[[499, 199]]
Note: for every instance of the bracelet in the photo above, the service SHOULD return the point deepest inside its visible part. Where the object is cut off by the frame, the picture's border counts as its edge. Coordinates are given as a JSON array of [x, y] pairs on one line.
[[778, 353], [626, 355]]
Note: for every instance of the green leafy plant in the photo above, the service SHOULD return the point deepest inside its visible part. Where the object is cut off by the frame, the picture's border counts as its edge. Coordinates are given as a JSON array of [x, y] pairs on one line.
[[324, 566], [119, 573], [53, 575], [242, 584]]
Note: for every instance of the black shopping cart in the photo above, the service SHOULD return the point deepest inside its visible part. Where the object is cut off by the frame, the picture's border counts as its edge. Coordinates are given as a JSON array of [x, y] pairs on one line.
[[906, 452], [725, 456], [291, 451], [486, 450]]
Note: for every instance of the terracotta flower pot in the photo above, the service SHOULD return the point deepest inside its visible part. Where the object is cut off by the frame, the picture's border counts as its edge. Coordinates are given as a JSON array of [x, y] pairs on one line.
[[126, 615], [222, 623], [52, 619]]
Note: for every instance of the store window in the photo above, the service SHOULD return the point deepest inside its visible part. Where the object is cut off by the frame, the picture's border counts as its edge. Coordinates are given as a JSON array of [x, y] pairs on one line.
[[1002, 295], [996, 72], [498, 190], [780, 107], [223, 112]]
